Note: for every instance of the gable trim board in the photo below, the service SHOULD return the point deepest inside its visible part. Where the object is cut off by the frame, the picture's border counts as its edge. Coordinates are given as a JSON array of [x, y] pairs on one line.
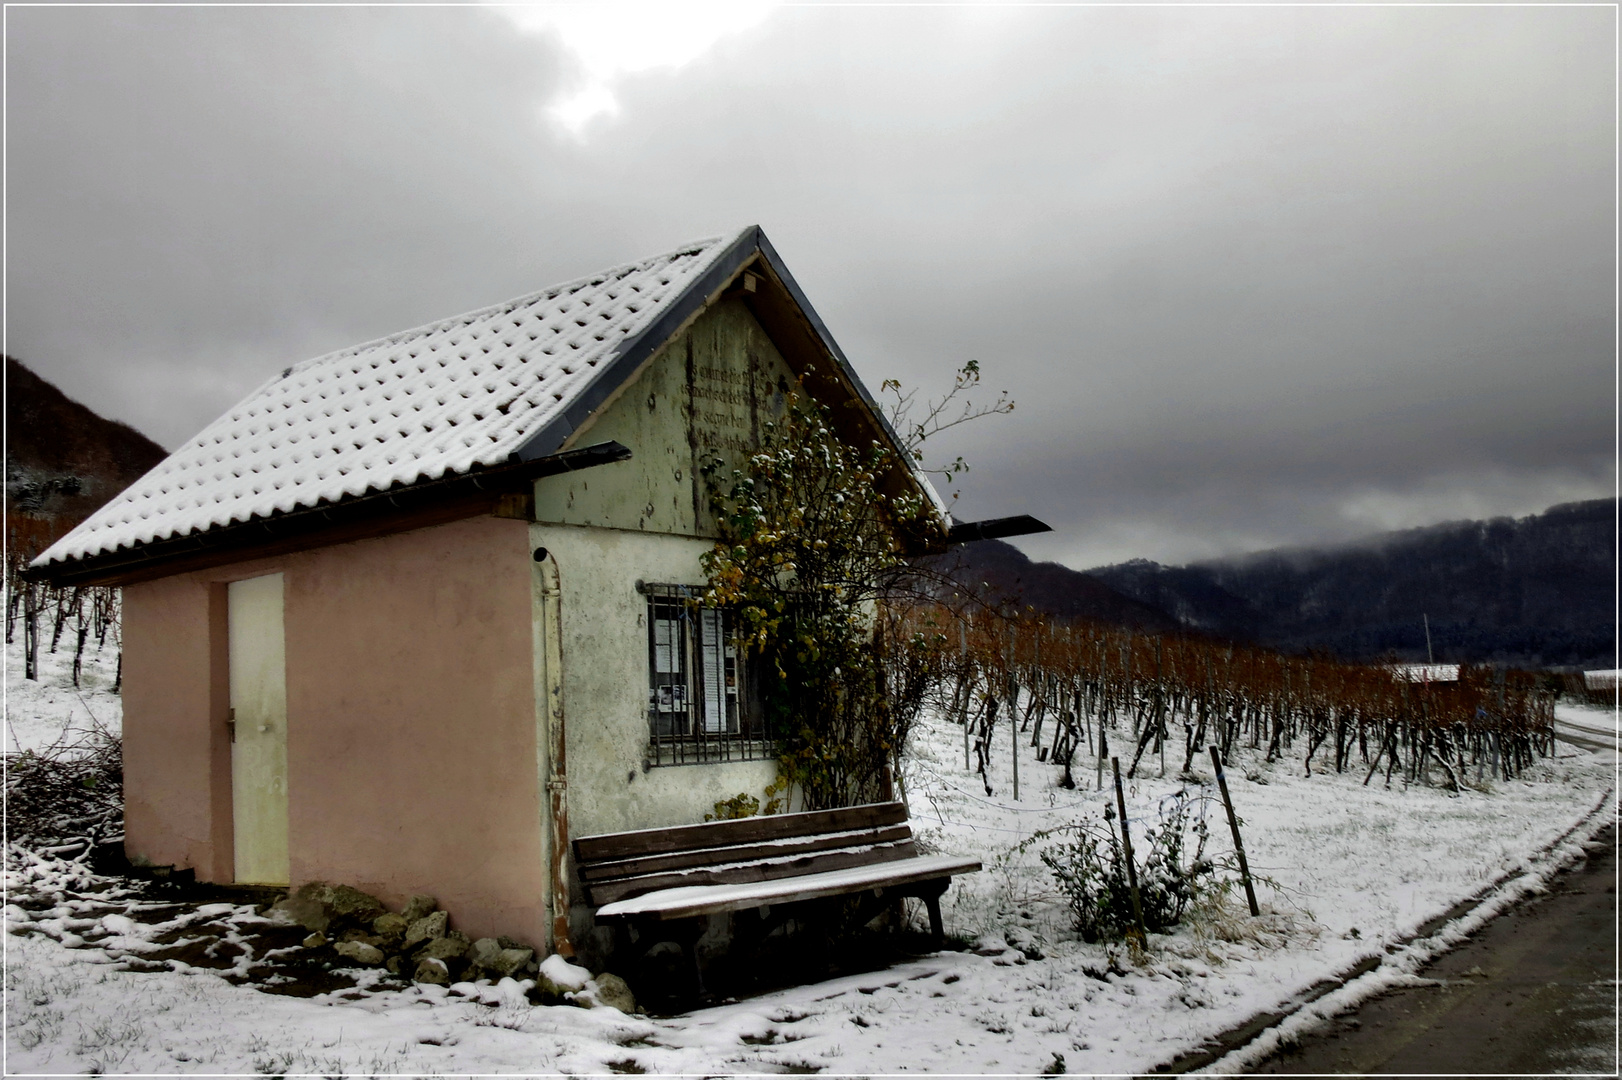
[[117, 544], [751, 250]]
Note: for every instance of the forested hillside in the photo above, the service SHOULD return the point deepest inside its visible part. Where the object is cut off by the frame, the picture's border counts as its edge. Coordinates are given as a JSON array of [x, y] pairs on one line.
[[1005, 576], [1537, 591], [62, 461]]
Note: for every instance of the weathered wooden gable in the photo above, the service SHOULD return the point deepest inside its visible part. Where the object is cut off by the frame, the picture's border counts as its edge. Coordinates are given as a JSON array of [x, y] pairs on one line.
[[707, 392]]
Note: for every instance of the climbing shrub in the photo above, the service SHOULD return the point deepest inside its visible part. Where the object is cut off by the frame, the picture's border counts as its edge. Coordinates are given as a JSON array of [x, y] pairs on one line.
[[740, 806], [810, 551]]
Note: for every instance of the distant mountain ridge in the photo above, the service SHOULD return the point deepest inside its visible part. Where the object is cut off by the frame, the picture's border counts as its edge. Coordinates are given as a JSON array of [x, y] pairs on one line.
[[62, 461], [1537, 591], [1001, 573]]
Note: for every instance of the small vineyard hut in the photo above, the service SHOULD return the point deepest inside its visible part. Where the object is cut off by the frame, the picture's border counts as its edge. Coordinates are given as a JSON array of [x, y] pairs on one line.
[[411, 615]]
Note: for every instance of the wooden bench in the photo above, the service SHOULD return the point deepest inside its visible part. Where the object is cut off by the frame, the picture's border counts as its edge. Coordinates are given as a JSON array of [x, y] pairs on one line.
[[662, 884]]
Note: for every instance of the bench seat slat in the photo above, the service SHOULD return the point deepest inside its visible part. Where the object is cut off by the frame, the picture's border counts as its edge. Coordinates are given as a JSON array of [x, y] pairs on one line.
[[682, 860], [740, 873], [624, 845], [690, 900]]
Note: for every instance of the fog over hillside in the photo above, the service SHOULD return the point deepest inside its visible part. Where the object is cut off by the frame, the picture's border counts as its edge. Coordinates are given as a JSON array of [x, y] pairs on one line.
[[1536, 591]]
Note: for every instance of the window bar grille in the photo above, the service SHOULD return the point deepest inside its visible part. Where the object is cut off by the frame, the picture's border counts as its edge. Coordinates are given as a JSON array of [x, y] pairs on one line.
[[700, 703]]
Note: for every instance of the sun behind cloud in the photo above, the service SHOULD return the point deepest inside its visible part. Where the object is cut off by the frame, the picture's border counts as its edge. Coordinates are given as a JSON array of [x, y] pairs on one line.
[[611, 40]]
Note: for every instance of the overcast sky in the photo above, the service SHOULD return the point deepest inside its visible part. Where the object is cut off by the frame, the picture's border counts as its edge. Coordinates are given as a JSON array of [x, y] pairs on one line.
[[1254, 276]]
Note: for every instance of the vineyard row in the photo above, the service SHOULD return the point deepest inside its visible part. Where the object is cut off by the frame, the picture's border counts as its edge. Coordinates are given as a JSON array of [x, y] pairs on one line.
[[1080, 691]]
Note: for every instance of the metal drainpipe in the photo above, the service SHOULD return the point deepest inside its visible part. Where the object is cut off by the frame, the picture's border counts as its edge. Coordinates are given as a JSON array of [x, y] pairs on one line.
[[557, 783]]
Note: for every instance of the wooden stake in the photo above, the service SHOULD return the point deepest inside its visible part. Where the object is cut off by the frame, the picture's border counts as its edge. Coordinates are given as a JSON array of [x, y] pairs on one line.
[[31, 631], [1160, 710], [1105, 710], [1126, 845], [1103, 750], [1233, 824], [1013, 713], [968, 689]]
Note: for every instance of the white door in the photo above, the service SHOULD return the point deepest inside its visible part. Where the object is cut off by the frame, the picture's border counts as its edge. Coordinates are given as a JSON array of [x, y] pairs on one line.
[[259, 723]]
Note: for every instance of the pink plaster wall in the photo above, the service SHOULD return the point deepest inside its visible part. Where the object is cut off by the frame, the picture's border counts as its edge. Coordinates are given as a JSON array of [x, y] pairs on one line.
[[411, 752], [177, 760]]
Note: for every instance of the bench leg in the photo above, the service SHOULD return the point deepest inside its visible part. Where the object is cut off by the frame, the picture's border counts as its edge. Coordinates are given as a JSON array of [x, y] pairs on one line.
[[686, 934], [930, 893], [937, 934], [683, 933]]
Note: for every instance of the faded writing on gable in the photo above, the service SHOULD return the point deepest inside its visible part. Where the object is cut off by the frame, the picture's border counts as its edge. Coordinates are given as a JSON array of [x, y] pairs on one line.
[[726, 404], [707, 394]]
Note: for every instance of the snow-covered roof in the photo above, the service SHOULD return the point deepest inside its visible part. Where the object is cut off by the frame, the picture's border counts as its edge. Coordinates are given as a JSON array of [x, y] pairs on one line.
[[505, 383], [1426, 673]]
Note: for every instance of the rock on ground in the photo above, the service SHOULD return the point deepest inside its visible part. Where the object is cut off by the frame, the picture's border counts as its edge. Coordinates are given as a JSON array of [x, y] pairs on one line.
[[612, 991], [360, 952], [427, 928]]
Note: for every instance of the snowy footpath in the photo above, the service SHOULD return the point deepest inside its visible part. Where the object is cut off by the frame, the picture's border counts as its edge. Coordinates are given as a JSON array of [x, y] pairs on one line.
[[1349, 870]]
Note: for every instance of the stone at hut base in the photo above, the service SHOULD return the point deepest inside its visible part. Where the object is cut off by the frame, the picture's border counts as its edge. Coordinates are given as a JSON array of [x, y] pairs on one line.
[[395, 965], [483, 952], [427, 928], [317, 905], [509, 962], [315, 941], [544, 993], [418, 907], [489, 957], [305, 908], [432, 971], [390, 929], [360, 952], [452, 946], [352, 907], [556, 978], [611, 990]]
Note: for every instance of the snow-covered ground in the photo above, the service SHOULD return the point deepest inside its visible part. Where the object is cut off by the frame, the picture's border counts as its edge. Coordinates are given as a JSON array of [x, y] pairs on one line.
[[1587, 725], [38, 713], [1349, 869]]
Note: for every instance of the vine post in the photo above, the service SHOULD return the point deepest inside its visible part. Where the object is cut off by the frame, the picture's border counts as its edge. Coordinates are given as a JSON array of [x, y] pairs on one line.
[[963, 648], [1233, 824], [1131, 866], [1013, 714]]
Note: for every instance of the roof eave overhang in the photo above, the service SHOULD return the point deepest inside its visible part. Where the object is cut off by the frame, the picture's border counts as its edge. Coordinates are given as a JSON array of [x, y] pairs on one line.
[[965, 532], [375, 513]]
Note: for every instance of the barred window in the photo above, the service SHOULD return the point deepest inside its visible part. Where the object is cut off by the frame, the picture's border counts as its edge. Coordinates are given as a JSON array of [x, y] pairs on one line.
[[701, 705]]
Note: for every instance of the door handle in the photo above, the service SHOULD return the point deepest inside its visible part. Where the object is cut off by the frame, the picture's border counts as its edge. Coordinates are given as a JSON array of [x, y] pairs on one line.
[[231, 725]]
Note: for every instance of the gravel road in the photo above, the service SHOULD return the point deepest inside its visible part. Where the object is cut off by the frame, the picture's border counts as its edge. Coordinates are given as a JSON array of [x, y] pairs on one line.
[[1535, 991]]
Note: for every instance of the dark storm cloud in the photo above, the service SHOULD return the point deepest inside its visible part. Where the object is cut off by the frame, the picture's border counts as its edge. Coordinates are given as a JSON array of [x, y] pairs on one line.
[[1254, 276]]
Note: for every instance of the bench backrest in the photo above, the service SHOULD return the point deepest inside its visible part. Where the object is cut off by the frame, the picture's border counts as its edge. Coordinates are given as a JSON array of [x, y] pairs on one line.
[[616, 866]]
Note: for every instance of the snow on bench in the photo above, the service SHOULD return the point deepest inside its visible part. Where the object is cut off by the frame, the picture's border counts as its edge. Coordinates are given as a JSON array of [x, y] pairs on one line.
[[686, 901], [686, 872]]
